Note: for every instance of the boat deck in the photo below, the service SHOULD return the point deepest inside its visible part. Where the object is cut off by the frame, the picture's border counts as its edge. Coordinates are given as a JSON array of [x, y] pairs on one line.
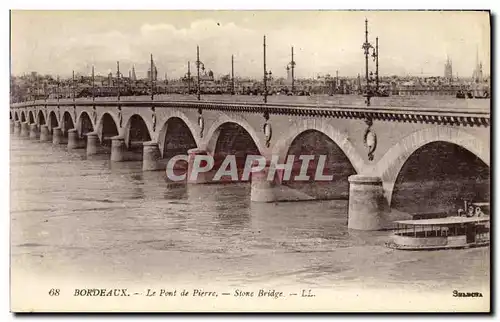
[[443, 221], [439, 247]]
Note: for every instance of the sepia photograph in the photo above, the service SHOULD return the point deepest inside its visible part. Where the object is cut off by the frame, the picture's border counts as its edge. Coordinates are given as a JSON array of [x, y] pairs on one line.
[[250, 160]]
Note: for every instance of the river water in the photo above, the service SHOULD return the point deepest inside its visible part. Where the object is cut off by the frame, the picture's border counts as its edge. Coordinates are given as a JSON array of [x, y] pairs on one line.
[[79, 219]]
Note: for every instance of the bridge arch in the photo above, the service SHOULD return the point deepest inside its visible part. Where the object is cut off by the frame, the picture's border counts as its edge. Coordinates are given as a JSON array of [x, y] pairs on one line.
[[67, 123], [339, 138], [84, 123], [392, 162], [107, 126], [52, 121], [31, 117], [213, 133], [40, 118], [137, 130], [23, 116], [16, 116], [186, 136]]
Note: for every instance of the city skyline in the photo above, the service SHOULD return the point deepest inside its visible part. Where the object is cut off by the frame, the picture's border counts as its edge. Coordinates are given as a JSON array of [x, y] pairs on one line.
[[101, 38]]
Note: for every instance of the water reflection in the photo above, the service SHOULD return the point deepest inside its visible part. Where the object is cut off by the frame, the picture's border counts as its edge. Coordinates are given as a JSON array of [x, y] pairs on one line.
[[175, 191]]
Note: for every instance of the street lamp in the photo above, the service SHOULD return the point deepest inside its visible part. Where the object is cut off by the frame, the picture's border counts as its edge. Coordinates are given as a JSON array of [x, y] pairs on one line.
[[73, 86], [151, 77], [291, 65], [188, 75], [232, 74], [93, 84], [57, 90], [35, 90], [376, 64], [369, 74], [267, 74], [118, 78], [198, 65]]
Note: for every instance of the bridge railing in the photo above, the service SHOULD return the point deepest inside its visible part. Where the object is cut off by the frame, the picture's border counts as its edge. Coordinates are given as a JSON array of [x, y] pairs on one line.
[[434, 104]]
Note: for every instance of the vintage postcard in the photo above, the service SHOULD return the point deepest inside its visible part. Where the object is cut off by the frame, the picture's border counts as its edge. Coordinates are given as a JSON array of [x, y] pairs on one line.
[[250, 161]]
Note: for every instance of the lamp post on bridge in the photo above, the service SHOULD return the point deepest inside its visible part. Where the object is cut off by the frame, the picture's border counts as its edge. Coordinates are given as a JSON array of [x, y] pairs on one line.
[[369, 92], [188, 75], [93, 84], [73, 86], [267, 74], [35, 90], [291, 65], [376, 65], [166, 83], [45, 92], [118, 78], [232, 75], [151, 78], [198, 65], [57, 89]]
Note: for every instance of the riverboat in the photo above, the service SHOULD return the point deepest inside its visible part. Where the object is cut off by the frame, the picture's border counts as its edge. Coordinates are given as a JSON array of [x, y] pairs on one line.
[[462, 231]]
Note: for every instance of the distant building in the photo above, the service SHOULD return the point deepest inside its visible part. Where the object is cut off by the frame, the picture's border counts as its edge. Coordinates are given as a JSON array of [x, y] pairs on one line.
[[110, 79], [448, 70], [133, 77], [155, 73], [206, 77], [288, 75], [477, 74]]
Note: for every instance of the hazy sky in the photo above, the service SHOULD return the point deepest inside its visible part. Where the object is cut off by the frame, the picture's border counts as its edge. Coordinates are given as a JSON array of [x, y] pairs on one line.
[[57, 42]]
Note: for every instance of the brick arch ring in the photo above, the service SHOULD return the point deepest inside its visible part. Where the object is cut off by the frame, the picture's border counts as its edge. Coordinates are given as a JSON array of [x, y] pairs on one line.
[[78, 123], [390, 165], [340, 139], [99, 125], [212, 135], [128, 123], [37, 118], [160, 135]]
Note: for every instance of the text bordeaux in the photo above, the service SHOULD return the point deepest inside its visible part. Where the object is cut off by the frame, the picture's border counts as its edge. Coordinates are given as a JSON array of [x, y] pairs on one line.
[[101, 292]]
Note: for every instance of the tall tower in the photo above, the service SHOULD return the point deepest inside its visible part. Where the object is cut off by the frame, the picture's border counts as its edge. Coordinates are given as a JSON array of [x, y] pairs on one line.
[[133, 76], [110, 79], [478, 70], [153, 72], [448, 69]]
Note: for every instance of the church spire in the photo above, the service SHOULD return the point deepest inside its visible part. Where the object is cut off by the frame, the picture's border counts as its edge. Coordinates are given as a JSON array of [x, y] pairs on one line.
[[133, 76], [477, 56]]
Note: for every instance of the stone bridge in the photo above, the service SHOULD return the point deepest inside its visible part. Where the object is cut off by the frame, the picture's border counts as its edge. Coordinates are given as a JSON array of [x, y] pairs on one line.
[[372, 152]]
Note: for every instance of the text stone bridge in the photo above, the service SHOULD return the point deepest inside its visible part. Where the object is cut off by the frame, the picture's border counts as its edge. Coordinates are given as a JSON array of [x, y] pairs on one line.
[[398, 153]]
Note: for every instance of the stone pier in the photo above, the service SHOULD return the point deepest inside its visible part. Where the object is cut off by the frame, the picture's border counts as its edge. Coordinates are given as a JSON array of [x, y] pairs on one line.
[[17, 128], [25, 129], [12, 126], [202, 177], [33, 131], [44, 133], [263, 190], [72, 139], [118, 149], [56, 136], [150, 156], [366, 202], [92, 143]]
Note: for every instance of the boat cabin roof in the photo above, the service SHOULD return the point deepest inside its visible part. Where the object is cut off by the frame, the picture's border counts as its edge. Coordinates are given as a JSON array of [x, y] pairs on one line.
[[444, 221]]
